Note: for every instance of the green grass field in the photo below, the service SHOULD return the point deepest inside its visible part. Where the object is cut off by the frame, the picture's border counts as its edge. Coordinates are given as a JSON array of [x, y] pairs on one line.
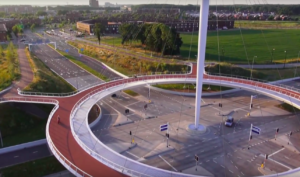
[[18, 127], [240, 46], [258, 43]]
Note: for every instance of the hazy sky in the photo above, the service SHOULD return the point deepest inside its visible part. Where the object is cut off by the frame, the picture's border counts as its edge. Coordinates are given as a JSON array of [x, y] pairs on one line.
[[101, 2]]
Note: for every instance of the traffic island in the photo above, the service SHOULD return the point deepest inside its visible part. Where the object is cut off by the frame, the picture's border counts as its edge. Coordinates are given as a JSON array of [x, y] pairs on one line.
[[266, 171]]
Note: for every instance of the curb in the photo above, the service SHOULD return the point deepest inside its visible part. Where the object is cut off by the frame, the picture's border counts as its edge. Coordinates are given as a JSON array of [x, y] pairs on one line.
[[77, 65], [112, 70], [22, 146], [7, 89]]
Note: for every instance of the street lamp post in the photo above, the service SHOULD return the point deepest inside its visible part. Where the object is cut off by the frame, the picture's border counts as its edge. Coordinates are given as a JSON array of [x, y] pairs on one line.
[[272, 56], [252, 66], [284, 59]]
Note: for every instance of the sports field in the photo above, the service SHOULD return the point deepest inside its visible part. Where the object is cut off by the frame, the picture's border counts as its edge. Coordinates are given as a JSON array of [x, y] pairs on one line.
[[240, 46]]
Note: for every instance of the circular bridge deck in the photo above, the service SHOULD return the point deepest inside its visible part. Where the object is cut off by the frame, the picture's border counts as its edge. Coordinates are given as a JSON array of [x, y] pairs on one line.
[[67, 139]]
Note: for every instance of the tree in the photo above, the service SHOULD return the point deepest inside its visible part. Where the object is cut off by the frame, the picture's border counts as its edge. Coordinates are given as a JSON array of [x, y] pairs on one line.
[[98, 30], [1, 52], [32, 27], [41, 13], [16, 29]]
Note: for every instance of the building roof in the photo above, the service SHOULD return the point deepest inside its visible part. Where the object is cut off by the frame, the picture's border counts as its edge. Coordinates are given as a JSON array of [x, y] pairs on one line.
[[3, 28]]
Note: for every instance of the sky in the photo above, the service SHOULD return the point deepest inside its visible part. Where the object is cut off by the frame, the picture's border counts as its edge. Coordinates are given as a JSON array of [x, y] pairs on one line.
[[181, 2]]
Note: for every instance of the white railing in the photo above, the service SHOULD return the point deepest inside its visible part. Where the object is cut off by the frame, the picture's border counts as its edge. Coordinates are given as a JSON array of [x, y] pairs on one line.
[[26, 93], [69, 165], [28, 100], [112, 84], [64, 161], [257, 80]]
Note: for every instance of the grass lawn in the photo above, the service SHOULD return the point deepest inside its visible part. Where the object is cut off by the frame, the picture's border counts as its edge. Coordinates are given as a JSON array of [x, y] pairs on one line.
[[110, 40], [44, 79], [19, 127], [288, 108], [278, 74], [266, 24], [130, 92], [190, 87], [258, 43], [36, 168]]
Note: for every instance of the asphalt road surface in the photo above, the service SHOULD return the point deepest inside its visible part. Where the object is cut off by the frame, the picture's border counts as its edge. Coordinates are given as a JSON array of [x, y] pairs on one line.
[[24, 155], [73, 74], [92, 63], [222, 151]]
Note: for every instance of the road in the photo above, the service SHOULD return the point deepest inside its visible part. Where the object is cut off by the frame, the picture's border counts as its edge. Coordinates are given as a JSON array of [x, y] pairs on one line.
[[73, 74], [24, 155], [92, 63]]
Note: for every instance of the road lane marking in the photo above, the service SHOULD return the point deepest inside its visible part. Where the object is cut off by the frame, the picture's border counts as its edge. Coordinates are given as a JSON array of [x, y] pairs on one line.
[[222, 166], [16, 156], [281, 164], [132, 155], [276, 152], [35, 152], [167, 163]]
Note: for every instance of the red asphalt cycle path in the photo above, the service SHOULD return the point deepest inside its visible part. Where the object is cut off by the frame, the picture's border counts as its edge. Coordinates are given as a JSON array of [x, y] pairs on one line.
[[66, 144]]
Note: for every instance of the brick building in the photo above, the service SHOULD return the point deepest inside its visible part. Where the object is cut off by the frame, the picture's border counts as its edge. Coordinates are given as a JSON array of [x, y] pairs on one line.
[[189, 26], [181, 26], [3, 32]]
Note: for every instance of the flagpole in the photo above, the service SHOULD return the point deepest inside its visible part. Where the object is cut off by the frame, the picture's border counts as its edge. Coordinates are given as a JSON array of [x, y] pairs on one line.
[[250, 132]]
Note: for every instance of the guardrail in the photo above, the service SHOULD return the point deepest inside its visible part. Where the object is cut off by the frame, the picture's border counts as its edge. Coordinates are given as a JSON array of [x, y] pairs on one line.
[[254, 79], [110, 85], [69, 165], [24, 93], [29, 100]]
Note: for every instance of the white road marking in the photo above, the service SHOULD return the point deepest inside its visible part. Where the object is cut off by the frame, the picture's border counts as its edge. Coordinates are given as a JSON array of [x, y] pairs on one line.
[[16, 156], [167, 163], [35, 152], [230, 171], [281, 164], [132, 154], [222, 166], [276, 152]]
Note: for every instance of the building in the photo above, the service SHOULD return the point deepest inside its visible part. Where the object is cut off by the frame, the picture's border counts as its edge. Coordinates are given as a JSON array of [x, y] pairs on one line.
[[3, 32], [23, 9], [94, 3], [108, 4]]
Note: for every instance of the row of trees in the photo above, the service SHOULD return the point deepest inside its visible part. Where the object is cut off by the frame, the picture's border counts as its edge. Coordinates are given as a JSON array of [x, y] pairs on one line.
[[9, 65], [156, 37]]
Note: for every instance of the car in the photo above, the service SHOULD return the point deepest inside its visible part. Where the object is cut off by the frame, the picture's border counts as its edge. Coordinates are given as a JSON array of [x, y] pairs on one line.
[[114, 95], [22, 40], [229, 122]]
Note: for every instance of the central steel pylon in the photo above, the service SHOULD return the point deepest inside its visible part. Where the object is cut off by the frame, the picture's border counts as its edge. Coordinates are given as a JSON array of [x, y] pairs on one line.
[[203, 24]]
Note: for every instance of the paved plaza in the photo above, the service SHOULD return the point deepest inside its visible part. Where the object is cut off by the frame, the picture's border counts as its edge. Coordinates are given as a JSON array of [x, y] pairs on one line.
[[222, 151]]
